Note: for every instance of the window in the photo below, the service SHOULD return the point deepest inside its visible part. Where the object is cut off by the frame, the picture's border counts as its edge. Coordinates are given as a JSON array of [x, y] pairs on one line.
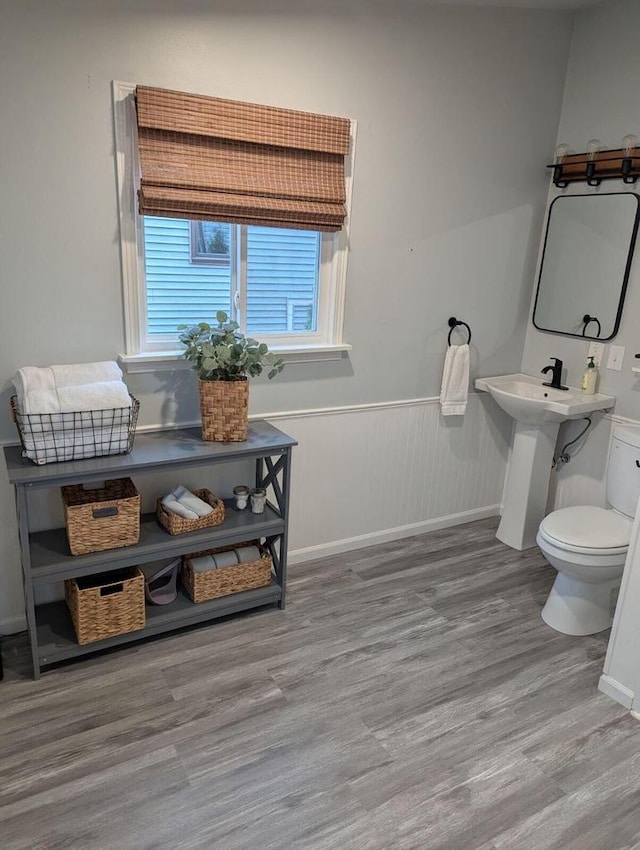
[[284, 286]]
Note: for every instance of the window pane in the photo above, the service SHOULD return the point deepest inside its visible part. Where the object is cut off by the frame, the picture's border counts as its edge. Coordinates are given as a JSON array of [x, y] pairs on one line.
[[282, 279], [180, 291]]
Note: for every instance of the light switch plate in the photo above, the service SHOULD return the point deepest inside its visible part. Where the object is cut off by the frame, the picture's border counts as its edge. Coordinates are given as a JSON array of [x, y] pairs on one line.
[[596, 350], [616, 356]]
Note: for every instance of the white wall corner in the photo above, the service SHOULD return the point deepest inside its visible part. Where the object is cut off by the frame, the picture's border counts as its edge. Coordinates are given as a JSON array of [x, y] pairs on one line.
[[615, 691]]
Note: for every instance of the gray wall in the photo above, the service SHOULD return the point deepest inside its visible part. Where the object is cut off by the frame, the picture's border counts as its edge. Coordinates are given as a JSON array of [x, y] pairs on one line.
[[602, 100], [457, 110]]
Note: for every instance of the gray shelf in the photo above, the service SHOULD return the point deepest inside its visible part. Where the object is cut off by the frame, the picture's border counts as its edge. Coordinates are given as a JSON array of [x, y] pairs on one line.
[[57, 641], [46, 557], [51, 559], [151, 452]]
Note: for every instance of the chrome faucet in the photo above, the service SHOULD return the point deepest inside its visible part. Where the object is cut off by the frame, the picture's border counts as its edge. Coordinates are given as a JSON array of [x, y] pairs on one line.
[[556, 375]]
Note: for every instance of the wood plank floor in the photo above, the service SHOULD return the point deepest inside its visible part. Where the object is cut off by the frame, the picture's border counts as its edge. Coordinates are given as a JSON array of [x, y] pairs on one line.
[[409, 698]]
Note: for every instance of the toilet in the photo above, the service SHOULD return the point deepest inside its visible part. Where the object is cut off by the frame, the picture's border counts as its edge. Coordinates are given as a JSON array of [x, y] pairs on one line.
[[588, 545]]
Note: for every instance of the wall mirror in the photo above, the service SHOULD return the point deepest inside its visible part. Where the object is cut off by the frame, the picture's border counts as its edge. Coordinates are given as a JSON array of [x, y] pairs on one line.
[[586, 260]]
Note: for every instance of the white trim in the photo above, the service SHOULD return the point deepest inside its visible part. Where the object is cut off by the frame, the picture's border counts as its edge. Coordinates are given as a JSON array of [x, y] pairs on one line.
[[124, 127], [615, 691], [337, 547], [299, 348], [167, 361], [13, 625]]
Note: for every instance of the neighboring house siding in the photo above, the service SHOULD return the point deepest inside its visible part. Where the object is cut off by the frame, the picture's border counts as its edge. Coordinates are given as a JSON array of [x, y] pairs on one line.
[[281, 279], [179, 291]]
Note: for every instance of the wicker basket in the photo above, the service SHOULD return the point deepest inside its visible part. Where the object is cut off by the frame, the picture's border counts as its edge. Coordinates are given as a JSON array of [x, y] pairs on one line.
[[175, 524], [224, 408], [106, 605], [108, 518], [225, 580]]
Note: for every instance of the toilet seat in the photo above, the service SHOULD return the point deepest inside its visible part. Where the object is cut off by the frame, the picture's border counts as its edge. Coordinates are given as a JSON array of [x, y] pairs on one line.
[[587, 529]]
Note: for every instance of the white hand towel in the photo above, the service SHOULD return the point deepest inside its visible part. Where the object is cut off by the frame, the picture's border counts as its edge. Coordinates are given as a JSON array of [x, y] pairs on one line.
[[175, 507], [191, 501], [455, 381], [76, 374]]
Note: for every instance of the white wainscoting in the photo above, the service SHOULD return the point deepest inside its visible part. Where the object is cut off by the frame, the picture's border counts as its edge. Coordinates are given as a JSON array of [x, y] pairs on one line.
[[364, 475], [361, 475]]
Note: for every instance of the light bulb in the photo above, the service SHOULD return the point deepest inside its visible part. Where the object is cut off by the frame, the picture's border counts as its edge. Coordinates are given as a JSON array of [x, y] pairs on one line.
[[629, 143], [560, 152], [593, 146]]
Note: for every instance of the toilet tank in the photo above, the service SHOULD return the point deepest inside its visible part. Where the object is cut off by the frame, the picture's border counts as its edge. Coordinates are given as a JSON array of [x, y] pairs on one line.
[[623, 472]]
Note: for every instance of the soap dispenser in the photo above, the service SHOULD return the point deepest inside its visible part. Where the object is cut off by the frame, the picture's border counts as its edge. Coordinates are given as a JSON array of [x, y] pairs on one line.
[[590, 377]]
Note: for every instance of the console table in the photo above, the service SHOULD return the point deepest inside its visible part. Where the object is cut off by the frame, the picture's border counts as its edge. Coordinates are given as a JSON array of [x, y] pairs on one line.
[[46, 557]]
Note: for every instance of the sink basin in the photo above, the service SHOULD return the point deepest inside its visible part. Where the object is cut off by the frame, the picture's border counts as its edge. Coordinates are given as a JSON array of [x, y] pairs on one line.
[[527, 401]]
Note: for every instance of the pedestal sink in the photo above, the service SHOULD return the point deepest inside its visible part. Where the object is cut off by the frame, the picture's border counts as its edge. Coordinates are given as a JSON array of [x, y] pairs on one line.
[[538, 412]]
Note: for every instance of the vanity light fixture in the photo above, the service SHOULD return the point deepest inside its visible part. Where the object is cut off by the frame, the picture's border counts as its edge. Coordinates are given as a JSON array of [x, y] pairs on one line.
[[596, 163]]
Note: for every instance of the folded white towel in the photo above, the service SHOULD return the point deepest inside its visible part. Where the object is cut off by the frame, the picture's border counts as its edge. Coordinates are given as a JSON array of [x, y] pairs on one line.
[[455, 381], [104, 395], [171, 504], [32, 378], [89, 420], [77, 374], [78, 444], [191, 501]]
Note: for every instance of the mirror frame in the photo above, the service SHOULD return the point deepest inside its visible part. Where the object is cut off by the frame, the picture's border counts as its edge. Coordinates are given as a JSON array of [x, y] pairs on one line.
[[625, 278]]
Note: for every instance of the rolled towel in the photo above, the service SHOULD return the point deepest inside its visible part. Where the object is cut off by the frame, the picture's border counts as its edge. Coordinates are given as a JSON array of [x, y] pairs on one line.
[[191, 501], [247, 553], [171, 504], [202, 564], [225, 559], [77, 374]]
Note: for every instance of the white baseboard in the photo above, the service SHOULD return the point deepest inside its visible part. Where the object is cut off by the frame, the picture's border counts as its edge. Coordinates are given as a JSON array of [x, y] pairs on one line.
[[616, 691], [336, 547], [13, 625]]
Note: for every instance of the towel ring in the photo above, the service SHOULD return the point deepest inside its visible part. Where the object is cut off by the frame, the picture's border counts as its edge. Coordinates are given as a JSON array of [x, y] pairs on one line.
[[587, 319], [454, 323]]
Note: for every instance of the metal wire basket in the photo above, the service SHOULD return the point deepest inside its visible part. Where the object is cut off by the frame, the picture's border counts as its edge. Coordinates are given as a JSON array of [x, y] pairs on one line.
[[56, 437]]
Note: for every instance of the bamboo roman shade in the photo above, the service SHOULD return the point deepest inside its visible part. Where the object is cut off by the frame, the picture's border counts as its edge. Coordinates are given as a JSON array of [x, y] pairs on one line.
[[208, 158]]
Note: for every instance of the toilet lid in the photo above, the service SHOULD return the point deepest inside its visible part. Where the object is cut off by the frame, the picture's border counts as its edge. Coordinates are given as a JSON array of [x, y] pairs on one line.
[[588, 527]]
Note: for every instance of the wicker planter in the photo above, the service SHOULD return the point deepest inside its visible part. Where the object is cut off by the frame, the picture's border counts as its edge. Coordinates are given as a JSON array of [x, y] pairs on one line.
[[224, 407]]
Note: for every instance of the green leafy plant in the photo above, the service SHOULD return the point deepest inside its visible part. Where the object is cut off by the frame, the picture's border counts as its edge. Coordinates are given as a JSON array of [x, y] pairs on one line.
[[223, 353]]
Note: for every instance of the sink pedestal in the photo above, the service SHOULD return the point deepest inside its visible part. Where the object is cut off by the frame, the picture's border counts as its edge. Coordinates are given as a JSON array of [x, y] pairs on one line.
[[527, 483], [538, 410]]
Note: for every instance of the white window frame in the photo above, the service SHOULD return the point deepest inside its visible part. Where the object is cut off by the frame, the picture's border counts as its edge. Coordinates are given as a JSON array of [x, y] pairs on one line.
[[141, 355]]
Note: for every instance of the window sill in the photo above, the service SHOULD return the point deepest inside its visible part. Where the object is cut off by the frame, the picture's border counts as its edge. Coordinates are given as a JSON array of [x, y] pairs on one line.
[[168, 361]]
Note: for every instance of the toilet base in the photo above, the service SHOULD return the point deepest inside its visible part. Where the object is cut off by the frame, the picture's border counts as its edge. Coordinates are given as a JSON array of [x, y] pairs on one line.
[[577, 607]]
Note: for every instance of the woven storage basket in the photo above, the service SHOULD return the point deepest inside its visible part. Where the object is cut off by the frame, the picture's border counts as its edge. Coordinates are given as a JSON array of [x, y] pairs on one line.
[[106, 605], [224, 408], [226, 580], [108, 518], [175, 524]]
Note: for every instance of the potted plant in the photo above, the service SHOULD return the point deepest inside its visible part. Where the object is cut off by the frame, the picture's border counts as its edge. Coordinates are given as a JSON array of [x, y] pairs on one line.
[[224, 359]]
